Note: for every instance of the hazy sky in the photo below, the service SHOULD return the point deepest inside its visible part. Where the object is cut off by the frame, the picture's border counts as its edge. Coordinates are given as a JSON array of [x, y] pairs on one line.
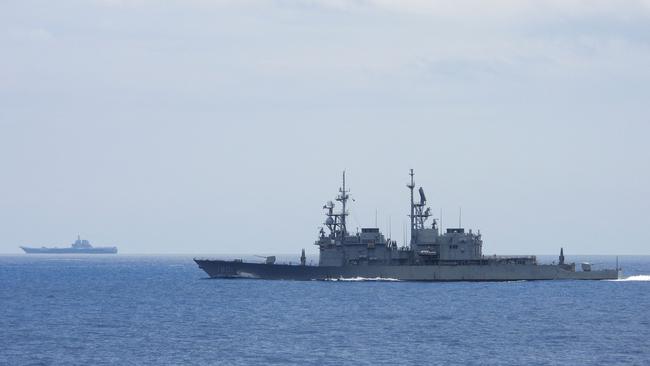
[[223, 126]]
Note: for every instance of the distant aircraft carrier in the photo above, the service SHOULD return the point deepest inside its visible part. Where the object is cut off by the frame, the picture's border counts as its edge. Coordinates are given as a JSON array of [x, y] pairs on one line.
[[433, 255], [78, 247]]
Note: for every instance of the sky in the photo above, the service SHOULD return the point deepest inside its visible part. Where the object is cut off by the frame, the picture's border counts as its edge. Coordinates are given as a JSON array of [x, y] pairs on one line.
[[213, 127]]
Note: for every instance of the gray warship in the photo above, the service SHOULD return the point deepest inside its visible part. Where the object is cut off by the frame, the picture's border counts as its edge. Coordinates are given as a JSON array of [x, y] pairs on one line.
[[433, 255], [78, 247]]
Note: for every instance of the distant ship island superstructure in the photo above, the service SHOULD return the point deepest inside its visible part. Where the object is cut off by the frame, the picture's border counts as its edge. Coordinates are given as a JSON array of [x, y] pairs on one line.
[[78, 247], [432, 255]]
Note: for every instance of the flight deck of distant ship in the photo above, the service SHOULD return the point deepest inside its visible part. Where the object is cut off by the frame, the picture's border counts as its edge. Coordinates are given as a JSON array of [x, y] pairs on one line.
[[432, 254], [80, 246]]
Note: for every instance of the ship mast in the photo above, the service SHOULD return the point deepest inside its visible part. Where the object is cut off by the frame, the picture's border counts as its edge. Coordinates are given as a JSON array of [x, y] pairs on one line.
[[418, 212], [412, 215], [343, 198], [336, 221]]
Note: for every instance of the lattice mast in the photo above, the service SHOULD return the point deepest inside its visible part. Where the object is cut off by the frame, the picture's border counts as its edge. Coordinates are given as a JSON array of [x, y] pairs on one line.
[[343, 198], [336, 222], [418, 212]]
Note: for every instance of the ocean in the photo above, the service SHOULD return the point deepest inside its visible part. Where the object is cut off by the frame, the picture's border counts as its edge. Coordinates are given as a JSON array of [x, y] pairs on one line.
[[163, 310]]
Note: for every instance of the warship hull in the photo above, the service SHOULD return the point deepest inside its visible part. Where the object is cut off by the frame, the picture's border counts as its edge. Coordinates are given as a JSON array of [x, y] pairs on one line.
[[432, 254], [486, 272], [94, 250]]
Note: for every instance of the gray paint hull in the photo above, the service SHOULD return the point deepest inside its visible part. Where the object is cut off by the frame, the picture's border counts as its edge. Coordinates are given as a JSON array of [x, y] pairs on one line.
[[95, 250], [488, 272]]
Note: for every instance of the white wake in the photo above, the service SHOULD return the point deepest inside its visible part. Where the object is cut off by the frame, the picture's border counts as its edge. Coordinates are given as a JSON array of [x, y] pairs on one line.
[[634, 278], [359, 279]]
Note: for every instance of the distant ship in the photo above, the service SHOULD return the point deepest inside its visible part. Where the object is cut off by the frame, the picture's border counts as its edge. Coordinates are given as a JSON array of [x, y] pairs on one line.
[[433, 255], [78, 247]]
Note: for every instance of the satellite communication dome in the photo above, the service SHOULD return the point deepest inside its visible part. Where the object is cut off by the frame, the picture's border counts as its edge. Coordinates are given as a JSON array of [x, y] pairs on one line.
[[329, 221]]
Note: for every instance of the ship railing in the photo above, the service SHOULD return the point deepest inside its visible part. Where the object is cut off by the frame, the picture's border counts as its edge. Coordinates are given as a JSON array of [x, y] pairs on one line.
[[509, 256], [246, 260], [502, 258]]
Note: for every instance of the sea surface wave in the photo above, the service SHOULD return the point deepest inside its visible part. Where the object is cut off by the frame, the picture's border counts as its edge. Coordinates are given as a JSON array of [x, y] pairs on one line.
[[140, 310]]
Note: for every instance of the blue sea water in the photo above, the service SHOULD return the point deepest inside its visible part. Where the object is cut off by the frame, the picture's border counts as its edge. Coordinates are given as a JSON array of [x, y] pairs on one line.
[[135, 310]]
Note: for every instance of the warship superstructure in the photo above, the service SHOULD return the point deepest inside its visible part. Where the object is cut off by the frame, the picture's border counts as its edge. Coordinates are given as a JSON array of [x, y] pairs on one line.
[[433, 254], [80, 246]]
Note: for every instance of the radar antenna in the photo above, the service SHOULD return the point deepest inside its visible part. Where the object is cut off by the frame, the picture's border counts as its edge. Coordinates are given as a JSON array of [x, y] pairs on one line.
[[418, 212]]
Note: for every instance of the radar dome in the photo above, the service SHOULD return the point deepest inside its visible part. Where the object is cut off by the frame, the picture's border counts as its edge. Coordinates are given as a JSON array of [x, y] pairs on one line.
[[329, 221]]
